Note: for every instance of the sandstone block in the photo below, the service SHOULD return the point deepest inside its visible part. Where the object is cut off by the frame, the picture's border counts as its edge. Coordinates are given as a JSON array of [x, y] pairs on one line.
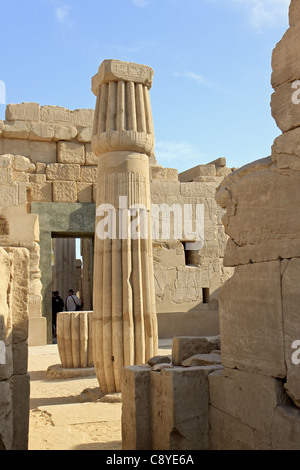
[[6, 416], [6, 161], [85, 192], [41, 131], [43, 152], [175, 426], [22, 112], [85, 135], [64, 133], [16, 130], [285, 59], [16, 147], [286, 418], [20, 289], [55, 114], [285, 112], [37, 178], [41, 191], [202, 360], [20, 393], [159, 360], [184, 347], [136, 411], [294, 13], [290, 299], [94, 193], [228, 433], [91, 158], [199, 170], [89, 174], [250, 398], [40, 168], [258, 216], [169, 174], [64, 191], [82, 117], [219, 162], [71, 153], [251, 323], [23, 164], [1, 128], [60, 171]]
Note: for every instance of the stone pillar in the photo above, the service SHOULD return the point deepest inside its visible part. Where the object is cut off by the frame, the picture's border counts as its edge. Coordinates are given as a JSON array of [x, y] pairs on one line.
[[125, 324]]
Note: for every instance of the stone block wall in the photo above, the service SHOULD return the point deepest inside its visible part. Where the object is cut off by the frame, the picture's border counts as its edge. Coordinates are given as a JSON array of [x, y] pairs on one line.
[[181, 278], [14, 380]]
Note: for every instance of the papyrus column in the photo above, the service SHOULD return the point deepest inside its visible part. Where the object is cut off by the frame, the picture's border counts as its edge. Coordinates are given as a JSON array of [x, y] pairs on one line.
[[124, 321]]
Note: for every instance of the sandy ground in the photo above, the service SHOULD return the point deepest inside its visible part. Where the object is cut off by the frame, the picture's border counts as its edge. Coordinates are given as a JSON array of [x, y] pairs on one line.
[[58, 420]]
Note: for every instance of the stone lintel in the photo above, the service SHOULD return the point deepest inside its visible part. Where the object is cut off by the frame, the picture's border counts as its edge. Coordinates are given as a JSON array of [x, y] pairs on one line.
[[115, 70]]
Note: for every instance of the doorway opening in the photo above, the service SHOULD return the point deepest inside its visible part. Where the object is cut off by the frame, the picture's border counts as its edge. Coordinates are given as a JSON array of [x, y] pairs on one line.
[[72, 267]]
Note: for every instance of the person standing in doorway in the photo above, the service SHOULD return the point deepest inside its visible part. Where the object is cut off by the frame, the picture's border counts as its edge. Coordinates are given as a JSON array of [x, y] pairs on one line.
[[57, 306], [72, 302]]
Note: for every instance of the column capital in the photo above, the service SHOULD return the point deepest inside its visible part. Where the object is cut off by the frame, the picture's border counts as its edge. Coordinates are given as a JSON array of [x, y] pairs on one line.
[[112, 70]]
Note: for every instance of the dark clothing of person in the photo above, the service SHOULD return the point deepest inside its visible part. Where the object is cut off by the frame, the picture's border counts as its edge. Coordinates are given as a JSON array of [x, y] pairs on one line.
[[57, 306]]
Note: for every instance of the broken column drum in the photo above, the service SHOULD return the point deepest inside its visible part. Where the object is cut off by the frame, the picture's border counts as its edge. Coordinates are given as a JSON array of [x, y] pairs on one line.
[[124, 322]]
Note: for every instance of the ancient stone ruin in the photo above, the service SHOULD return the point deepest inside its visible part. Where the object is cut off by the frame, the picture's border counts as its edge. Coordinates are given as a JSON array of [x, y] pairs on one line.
[[230, 304]]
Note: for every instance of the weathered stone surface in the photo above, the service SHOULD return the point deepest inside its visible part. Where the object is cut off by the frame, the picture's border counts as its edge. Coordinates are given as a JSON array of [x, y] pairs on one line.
[[85, 192], [159, 360], [136, 411], [85, 135], [168, 174], [250, 398], [199, 170], [64, 191], [89, 174], [90, 157], [228, 433], [15, 147], [202, 360], [57, 371], [41, 131], [6, 421], [294, 13], [61, 171], [258, 219], [115, 70], [41, 191], [162, 366], [55, 114], [64, 133], [82, 117], [285, 111], [21, 390], [175, 426], [290, 304], [184, 347], [22, 112], [251, 323], [23, 164], [285, 432], [285, 60], [16, 130], [71, 153], [43, 152]]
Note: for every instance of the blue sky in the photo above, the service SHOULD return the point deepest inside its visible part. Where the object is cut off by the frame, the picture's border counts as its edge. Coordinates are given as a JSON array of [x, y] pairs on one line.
[[212, 62]]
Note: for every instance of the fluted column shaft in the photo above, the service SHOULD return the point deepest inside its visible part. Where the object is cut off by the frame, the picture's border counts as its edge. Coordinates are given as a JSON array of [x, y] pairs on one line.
[[124, 325]]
